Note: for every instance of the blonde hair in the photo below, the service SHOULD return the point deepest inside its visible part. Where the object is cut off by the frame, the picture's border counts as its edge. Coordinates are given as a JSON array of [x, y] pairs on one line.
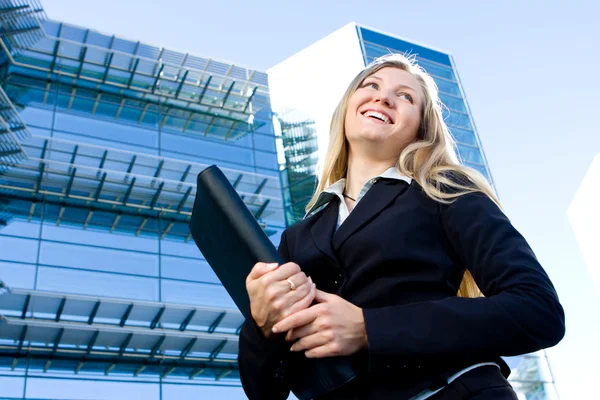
[[431, 160]]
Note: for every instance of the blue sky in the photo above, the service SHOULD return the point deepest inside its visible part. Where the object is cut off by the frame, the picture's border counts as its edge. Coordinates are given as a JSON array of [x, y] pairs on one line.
[[529, 71]]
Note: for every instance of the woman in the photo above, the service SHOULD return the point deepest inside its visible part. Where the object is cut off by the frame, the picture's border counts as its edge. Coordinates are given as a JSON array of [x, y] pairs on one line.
[[399, 238]]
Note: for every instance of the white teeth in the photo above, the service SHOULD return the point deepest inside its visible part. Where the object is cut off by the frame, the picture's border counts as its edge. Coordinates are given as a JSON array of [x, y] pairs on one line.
[[378, 115]]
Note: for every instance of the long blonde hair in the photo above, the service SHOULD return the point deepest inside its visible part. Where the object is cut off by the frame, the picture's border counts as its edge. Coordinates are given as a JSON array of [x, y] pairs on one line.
[[431, 160]]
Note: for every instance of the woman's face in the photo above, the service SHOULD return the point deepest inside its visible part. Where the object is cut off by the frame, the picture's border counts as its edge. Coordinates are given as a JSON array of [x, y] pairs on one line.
[[385, 112]]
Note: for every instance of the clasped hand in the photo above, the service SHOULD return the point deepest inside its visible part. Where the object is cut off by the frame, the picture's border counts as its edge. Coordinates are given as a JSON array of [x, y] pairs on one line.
[[331, 327]]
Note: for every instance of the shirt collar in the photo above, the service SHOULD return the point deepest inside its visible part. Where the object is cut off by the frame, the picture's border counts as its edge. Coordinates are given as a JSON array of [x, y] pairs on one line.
[[337, 188]]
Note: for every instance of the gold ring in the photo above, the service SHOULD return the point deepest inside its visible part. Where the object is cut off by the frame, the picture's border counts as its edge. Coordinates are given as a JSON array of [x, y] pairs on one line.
[[292, 286]]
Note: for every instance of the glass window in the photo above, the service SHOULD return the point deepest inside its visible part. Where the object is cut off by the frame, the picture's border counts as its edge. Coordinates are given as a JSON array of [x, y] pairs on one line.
[[123, 45], [105, 143], [107, 130], [12, 386], [205, 150], [202, 294], [447, 87], [480, 168], [376, 51], [18, 249], [96, 238], [97, 284], [38, 117], [470, 154], [190, 270], [21, 228], [20, 276], [403, 46], [456, 118], [436, 69], [50, 27], [264, 142], [267, 160], [72, 33], [177, 392], [463, 136], [45, 388], [453, 103], [109, 260], [182, 249], [98, 39]]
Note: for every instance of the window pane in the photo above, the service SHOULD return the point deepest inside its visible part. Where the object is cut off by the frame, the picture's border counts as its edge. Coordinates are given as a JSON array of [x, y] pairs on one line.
[[205, 150], [21, 276], [108, 260], [97, 284], [192, 270], [448, 87], [106, 130], [453, 103], [90, 389], [463, 136], [177, 392], [11, 386], [18, 249], [196, 293], [436, 69], [456, 118], [21, 228], [470, 154], [91, 237]]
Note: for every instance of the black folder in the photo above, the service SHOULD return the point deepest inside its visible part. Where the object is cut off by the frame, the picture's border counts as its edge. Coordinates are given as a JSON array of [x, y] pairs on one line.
[[232, 241], [228, 235]]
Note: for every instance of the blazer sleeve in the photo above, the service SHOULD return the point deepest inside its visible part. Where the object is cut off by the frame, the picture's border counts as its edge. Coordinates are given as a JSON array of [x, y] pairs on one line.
[[520, 312], [263, 362]]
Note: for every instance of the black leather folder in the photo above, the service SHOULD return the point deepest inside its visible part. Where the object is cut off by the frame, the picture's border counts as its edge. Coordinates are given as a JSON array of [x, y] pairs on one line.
[[228, 235], [232, 241]]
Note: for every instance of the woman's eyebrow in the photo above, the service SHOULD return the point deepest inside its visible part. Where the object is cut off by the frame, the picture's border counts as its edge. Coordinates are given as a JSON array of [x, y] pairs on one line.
[[400, 86]]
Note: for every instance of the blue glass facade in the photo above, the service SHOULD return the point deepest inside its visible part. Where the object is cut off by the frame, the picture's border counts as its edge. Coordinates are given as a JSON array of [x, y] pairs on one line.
[[101, 140]]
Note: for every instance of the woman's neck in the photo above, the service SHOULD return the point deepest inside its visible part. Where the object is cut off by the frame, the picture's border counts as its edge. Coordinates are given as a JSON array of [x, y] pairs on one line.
[[360, 170]]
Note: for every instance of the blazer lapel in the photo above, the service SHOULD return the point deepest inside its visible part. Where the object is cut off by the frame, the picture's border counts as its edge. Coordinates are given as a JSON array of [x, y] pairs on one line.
[[324, 227], [380, 196]]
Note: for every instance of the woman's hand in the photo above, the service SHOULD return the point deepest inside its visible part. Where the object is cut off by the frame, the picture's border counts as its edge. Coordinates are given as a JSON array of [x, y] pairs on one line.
[[334, 327], [271, 294]]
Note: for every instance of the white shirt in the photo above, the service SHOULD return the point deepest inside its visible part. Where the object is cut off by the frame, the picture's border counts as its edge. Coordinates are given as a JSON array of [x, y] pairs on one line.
[[339, 187]]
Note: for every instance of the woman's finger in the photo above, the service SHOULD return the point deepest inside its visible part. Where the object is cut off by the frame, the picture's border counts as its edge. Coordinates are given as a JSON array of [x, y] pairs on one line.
[[304, 302], [331, 349], [295, 320], [310, 342], [260, 269], [300, 332], [282, 273]]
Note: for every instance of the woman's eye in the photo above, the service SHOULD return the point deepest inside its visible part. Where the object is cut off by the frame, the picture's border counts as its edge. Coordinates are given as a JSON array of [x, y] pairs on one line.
[[371, 85], [407, 96]]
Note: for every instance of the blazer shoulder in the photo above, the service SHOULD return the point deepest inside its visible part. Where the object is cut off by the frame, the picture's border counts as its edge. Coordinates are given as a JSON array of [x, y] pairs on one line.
[[307, 222]]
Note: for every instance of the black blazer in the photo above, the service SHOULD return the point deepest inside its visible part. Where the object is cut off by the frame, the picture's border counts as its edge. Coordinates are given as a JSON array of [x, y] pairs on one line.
[[400, 256]]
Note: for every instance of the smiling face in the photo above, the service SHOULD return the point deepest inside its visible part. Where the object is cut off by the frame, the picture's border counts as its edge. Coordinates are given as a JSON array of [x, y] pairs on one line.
[[385, 112]]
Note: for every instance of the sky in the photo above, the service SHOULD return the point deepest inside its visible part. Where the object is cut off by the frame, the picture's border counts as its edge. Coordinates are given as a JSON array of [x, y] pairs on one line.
[[529, 72]]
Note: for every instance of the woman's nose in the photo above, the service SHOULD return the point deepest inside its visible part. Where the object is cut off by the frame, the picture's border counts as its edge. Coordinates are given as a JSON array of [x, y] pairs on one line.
[[383, 98]]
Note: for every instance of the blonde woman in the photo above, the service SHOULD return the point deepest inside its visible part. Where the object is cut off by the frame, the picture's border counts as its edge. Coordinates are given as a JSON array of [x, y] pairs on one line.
[[399, 239]]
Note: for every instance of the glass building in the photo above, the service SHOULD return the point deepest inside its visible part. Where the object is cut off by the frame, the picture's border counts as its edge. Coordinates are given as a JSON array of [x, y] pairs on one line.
[[313, 81], [104, 295]]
